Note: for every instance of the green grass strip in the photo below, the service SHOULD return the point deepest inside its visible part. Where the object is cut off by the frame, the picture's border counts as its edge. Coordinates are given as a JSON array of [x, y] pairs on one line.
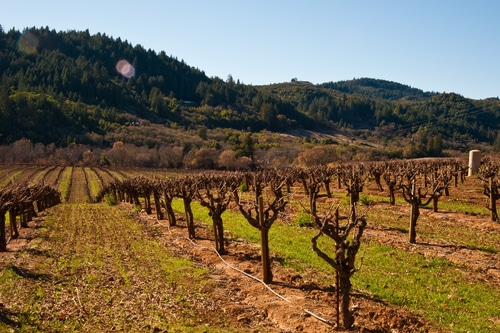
[[11, 177], [437, 289], [443, 228], [64, 183], [94, 182]]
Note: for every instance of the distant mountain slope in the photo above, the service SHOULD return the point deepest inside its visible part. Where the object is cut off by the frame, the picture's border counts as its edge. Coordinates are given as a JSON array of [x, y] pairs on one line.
[[68, 87], [82, 67], [379, 89], [78, 73]]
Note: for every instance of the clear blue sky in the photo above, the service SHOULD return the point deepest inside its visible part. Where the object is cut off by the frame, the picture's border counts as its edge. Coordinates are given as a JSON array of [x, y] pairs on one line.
[[433, 45]]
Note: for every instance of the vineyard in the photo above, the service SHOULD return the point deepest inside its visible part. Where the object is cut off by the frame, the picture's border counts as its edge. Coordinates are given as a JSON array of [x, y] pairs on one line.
[[400, 246]]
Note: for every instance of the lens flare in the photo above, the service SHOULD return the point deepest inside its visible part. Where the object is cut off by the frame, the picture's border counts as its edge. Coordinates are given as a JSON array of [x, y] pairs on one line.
[[125, 68], [27, 43]]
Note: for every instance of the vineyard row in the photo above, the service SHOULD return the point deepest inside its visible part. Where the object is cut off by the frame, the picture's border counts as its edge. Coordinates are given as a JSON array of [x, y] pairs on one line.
[[260, 196]]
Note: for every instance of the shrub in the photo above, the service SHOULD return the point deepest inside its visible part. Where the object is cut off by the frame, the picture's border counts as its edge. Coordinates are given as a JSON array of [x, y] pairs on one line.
[[244, 187], [110, 200], [304, 220], [365, 200]]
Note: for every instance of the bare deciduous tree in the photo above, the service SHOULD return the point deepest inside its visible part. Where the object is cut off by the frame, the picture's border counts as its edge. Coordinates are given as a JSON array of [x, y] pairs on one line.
[[262, 210], [215, 193], [488, 173], [347, 237]]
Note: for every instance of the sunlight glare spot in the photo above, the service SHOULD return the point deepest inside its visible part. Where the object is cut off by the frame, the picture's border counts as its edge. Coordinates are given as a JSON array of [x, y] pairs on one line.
[[125, 68]]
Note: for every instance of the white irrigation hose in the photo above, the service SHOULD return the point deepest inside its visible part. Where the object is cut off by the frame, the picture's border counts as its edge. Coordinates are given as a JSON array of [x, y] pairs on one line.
[[237, 269], [326, 321]]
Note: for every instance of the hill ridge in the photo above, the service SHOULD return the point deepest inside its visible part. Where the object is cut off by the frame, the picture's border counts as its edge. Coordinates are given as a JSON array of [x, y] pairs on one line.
[[64, 88]]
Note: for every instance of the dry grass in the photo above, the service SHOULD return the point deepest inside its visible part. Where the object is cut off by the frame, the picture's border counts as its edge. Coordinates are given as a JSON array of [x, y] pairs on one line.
[[92, 268]]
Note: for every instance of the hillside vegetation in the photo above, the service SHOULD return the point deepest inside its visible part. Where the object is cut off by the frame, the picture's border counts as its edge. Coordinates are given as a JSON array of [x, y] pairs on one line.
[[63, 89]]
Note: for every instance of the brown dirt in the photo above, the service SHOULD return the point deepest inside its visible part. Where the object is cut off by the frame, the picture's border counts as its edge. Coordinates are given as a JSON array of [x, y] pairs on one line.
[[479, 264], [288, 304], [294, 302], [291, 303], [302, 296], [485, 266]]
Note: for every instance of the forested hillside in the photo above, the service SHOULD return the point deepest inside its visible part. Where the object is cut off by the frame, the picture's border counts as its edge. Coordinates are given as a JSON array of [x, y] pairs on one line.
[[61, 89], [379, 89]]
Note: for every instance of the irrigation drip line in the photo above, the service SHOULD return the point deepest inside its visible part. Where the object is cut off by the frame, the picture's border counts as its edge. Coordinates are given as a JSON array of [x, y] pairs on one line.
[[479, 263], [326, 321]]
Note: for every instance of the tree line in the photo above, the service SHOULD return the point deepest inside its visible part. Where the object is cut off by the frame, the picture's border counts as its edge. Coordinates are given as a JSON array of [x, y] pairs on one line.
[[242, 151], [64, 88]]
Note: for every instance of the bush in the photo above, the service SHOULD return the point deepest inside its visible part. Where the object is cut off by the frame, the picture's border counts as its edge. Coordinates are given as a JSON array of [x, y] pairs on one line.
[[137, 209], [244, 187], [304, 220], [110, 200], [365, 200]]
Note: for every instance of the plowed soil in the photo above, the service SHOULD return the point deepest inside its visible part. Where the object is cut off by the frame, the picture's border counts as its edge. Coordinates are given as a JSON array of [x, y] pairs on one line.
[[238, 299], [292, 302]]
